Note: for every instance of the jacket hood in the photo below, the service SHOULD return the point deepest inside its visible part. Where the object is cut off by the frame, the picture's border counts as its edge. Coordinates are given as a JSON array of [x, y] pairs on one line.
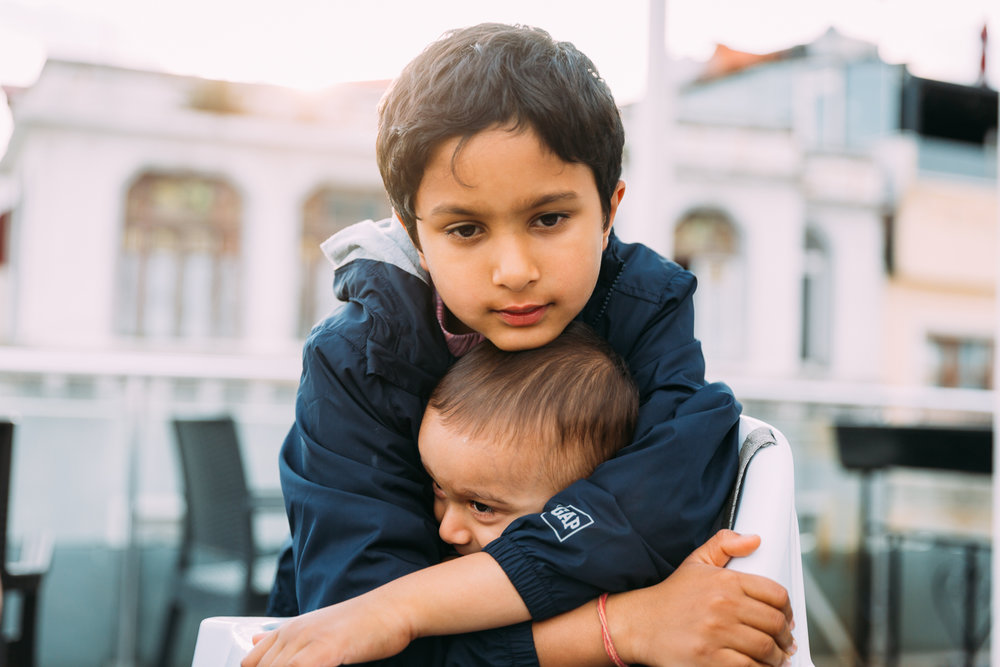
[[382, 241]]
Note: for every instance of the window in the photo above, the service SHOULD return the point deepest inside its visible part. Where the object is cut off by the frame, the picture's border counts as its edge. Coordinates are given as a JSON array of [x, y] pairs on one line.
[[179, 266], [816, 300], [707, 243], [962, 362], [325, 213]]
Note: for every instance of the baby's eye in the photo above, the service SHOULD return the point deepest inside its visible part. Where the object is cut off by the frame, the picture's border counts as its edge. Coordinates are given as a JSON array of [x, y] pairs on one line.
[[438, 491], [550, 219], [481, 508]]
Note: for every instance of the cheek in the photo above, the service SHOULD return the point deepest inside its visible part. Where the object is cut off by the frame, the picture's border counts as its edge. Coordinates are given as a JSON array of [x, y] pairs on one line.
[[489, 533], [438, 509]]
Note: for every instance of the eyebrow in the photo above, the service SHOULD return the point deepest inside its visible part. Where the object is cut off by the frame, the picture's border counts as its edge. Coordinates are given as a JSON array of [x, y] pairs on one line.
[[543, 200], [479, 495]]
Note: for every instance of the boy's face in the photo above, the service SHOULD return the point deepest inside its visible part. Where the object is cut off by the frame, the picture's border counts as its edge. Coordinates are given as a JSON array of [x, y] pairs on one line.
[[479, 487], [511, 235]]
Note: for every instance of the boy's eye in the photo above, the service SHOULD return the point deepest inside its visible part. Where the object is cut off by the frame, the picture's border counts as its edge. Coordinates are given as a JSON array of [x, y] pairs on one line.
[[550, 219], [479, 507], [438, 491], [463, 231]]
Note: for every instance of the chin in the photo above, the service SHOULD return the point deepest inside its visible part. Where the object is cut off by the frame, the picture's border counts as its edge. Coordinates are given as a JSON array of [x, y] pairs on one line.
[[513, 341]]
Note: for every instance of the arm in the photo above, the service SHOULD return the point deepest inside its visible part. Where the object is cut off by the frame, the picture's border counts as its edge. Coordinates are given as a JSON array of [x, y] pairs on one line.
[[645, 510], [700, 615], [358, 500], [694, 617], [534, 559]]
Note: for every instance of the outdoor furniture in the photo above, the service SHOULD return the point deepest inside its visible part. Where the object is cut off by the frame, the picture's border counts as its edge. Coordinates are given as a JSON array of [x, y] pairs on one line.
[[221, 568], [764, 504], [873, 449], [21, 579]]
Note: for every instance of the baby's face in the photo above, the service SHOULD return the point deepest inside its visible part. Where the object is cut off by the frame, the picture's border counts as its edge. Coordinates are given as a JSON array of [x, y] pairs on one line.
[[479, 487]]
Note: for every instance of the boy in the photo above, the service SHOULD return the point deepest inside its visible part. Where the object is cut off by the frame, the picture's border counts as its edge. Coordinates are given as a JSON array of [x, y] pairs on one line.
[[501, 153]]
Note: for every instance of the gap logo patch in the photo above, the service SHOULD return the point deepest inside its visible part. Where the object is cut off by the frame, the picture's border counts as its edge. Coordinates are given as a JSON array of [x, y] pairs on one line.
[[567, 521]]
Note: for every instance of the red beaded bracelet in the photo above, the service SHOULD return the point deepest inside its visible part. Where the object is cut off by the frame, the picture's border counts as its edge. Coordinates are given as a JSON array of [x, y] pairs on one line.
[[609, 646]]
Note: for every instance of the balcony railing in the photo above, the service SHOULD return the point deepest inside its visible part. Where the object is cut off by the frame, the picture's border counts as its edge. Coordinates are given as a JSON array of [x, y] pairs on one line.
[[94, 461]]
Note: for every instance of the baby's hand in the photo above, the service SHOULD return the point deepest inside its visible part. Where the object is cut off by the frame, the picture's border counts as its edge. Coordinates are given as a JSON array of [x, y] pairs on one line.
[[358, 630]]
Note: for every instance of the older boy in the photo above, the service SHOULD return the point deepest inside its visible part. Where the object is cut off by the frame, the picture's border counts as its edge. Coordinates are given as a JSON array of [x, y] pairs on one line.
[[501, 153]]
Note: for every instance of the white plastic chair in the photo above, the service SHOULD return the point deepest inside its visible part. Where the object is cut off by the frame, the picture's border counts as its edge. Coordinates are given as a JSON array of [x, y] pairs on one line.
[[764, 505], [223, 641]]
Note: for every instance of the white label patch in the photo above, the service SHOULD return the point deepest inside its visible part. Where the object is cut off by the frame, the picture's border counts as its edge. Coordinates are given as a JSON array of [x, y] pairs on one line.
[[566, 521]]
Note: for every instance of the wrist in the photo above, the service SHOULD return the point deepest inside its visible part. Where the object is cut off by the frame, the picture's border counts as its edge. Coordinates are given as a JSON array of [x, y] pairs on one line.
[[619, 628], [609, 643], [399, 609]]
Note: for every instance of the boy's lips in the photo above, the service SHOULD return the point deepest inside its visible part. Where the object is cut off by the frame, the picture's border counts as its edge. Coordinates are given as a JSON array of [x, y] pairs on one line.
[[522, 316]]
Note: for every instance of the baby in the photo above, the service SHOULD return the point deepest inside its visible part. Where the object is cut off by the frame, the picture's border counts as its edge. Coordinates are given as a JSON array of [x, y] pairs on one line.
[[505, 431]]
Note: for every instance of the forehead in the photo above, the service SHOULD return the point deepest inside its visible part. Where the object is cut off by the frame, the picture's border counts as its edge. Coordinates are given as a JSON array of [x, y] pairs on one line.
[[514, 164], [480, 462]]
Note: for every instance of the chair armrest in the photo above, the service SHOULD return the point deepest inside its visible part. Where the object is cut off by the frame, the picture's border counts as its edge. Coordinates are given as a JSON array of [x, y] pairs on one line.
[[767, 509], [223, 641]]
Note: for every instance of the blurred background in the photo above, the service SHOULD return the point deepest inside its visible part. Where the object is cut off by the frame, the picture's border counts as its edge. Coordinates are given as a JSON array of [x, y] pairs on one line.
[[827, 169]]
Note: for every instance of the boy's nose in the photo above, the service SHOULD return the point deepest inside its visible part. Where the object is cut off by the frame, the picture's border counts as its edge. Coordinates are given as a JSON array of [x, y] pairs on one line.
[[514, 266], [452, 530]]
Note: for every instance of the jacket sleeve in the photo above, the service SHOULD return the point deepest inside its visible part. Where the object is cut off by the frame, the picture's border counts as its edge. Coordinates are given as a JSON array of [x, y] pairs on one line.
[[357, 497], [638, 515]]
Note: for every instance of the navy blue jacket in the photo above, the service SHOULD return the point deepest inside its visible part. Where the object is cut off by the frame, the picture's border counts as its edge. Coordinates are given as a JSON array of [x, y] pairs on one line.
[[359, 502]]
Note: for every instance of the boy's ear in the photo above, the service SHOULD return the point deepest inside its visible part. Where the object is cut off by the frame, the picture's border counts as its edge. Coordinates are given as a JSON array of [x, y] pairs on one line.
[[616, 199], [420, 253]]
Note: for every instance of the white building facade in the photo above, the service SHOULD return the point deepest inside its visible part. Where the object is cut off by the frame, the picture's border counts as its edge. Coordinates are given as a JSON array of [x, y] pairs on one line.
[[159, 256]]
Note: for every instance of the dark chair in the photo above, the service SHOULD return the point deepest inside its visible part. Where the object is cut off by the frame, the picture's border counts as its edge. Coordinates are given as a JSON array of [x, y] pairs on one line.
[[221, 568], [21, 579], [872, 449]]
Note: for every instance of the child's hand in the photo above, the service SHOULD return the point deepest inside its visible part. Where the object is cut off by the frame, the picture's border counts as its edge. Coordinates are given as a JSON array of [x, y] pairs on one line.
[[705, 615], [358, 630]]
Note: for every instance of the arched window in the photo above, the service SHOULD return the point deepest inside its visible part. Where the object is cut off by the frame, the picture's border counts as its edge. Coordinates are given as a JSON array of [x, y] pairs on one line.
[[325, 213], [817, 301], [707, 243], [179, 273]]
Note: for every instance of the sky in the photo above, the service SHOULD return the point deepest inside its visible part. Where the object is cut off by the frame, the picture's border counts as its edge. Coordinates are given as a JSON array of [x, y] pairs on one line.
[[313, 43]]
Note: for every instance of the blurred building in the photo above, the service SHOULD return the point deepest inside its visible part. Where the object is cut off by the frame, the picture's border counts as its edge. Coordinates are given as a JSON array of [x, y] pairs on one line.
[[842, 216], [157, 210], [851, 202], [159, 255], [844, 210]]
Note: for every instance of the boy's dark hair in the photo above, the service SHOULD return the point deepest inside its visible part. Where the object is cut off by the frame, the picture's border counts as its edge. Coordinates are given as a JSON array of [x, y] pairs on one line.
[[572, 401], [496, 75]]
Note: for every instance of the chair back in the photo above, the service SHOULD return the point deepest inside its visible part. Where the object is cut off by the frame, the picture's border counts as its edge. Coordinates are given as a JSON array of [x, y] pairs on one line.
[[764, 504], [218, 519], [875, 447]]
